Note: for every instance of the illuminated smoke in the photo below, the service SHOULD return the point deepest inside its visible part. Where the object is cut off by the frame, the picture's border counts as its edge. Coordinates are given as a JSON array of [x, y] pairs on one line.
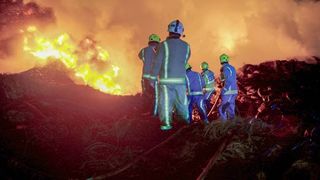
[[15, 15]]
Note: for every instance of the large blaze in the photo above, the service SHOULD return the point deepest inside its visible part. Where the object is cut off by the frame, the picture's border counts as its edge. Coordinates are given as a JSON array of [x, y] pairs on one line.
[[88, 61]]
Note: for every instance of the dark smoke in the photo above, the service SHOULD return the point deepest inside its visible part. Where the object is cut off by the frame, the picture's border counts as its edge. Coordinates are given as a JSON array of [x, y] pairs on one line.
[[15, 14]]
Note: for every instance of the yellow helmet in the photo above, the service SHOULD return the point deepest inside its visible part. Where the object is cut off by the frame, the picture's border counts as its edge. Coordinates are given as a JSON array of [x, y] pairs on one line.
[[204, 65], [188, 66], [154, 38], [224, 58]]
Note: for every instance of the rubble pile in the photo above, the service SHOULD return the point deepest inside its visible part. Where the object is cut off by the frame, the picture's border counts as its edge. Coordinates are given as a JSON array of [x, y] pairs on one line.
[[281, 93]]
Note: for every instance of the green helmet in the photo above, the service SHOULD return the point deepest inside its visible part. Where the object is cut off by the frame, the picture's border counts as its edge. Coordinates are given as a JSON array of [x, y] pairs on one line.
[[188, 66], [224, 58], [154, 38], [204, 65]]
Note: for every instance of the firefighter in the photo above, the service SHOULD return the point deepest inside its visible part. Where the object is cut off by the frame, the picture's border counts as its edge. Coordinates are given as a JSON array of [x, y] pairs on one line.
[[229, 89], [169, 68], [208, 77], [147, 55], [195, 85]]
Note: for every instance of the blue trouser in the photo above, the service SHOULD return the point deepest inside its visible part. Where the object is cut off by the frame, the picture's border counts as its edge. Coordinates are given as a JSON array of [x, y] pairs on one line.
[[197, 100], [227, 107], [147, 89], [156, 98], [172, 96], [150, 91], [207, 96]]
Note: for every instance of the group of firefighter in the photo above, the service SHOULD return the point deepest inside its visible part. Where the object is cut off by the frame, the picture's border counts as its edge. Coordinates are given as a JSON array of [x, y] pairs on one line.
[[169, 80]]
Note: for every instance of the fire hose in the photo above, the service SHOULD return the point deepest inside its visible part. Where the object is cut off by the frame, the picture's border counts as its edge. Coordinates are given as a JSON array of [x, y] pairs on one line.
[[215, 104]]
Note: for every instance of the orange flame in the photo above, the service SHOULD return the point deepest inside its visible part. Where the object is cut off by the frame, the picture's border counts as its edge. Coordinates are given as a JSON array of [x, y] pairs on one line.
[[88, 61]]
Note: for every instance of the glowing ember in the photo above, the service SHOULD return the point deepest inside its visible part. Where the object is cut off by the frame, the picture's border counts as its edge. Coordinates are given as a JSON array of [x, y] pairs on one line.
[[88, 61]]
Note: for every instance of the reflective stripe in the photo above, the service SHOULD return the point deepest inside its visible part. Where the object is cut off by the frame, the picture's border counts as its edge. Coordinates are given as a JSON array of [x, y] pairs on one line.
[[229, 70], [166, 59], [211, 82], [172, 81], [143, 86], [166, 105], [202, 108], [209, 89], [146, 76], [153, 77], [188, 84], [187, 55], [208, 95], [155, 111], [229, 92], [201, 105], [207, 78], [186, 102], [143, 55], [196, 93]]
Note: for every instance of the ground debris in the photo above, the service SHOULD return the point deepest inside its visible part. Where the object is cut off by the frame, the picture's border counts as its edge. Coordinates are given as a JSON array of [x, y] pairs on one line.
[[47, 123]]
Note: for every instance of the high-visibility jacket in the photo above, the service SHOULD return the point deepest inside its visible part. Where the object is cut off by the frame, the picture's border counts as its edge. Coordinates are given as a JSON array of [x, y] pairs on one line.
[[229, 79], [195, 83], [169, 63], [208, 77], [147, 55]]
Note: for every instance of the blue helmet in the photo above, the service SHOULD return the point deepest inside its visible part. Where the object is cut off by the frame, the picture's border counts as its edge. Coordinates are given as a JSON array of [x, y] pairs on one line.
[[176, 27]]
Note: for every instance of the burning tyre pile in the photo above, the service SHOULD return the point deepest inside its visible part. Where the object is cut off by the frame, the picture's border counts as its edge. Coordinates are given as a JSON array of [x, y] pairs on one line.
[[51, 128]]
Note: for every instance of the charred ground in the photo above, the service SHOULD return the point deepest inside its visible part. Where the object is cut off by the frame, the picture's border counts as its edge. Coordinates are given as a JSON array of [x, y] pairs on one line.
[[53, 128]]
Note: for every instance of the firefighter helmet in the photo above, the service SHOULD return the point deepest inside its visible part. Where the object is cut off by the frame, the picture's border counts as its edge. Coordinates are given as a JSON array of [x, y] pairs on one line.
[[224, 58], [176, 27], [154, 38], [204, 65], [188, 66]]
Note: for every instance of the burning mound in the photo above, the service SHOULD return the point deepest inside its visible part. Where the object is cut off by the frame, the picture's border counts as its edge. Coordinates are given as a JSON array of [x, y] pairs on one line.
[[88, 62]]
